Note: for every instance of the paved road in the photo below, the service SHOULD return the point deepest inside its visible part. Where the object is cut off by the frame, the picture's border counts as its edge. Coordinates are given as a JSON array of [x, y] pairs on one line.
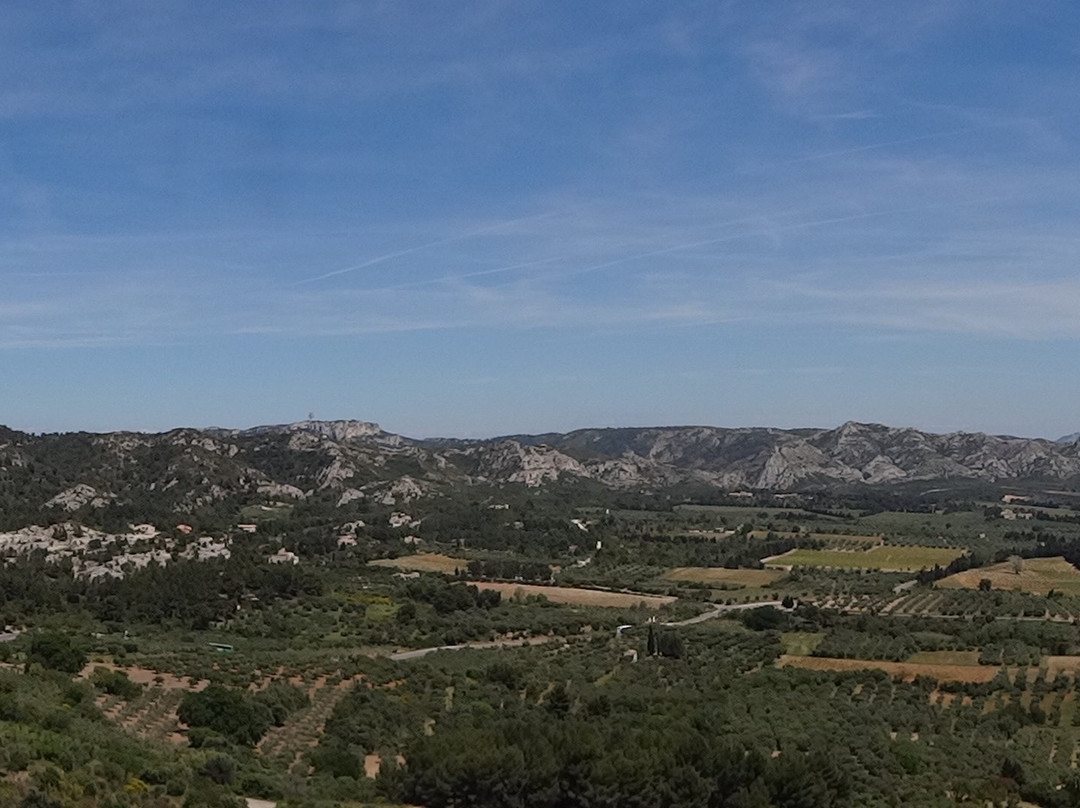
[[720, 609], [417, 653], [717, 610]]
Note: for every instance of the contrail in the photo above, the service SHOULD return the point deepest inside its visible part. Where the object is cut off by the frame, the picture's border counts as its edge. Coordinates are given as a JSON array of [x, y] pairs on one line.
[[780, 228], [465, 275], [449, 240], [872, 146]]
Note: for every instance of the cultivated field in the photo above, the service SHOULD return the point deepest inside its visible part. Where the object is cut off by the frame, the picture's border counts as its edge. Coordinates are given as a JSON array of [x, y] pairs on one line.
[[721, 575], [945, 658], [577, 597], [842, 541], [423, 562], [901, 670], [1038, 575], [891, 558], [801, 643]]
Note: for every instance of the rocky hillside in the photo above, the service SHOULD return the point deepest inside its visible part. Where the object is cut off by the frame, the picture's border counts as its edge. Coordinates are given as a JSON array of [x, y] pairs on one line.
[[188, 471]]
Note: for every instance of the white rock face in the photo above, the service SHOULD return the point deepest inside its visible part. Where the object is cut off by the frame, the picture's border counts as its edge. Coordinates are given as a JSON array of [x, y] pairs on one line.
[[403, 490], [398, 519], [272, 489], [92, 553], [77, 496], [348, 495], [206, 547], [342, 431], [336, 473], [532, 465]]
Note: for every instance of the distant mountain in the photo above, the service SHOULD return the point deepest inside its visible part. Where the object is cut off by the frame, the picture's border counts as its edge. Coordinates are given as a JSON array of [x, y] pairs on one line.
[[1073, 438], [190, 471]]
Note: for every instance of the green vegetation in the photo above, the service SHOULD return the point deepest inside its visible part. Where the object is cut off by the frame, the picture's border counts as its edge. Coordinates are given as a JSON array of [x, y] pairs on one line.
[[881, 557], [115, 695]]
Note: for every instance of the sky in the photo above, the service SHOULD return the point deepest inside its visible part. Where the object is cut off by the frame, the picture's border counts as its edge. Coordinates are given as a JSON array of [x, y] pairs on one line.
[[480, 218]]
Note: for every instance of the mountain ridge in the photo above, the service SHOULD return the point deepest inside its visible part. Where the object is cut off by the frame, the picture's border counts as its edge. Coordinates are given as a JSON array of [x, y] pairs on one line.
[[191, 470]]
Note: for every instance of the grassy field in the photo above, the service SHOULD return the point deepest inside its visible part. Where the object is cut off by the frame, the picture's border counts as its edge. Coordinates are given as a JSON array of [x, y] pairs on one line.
[[801, 643], [1038, 575], [901, 670], [841, 540], [882, 557], [945, 658], [423, 562], [721, 575], [577, 597]]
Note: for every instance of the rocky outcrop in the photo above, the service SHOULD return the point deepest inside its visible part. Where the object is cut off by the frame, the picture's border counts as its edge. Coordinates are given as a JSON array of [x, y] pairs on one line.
[[511, 462], [343, 462], [77, 496]]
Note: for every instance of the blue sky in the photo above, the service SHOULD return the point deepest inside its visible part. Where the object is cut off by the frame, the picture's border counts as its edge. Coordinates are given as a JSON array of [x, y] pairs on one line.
[[477, 218]]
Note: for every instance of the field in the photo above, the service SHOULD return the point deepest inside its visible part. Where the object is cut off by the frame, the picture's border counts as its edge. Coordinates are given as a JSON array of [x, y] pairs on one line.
[[423, 562], [945, 658], [721, 575], [841, 541], [893, 558], [577, 597], [801, 643], [1039, 575], [906, 671]]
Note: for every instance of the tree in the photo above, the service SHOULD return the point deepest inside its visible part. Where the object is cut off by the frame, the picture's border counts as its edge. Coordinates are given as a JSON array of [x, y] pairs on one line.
[[57, 652], [558, 700], [233, 713], [985, 584], [1016, 564]]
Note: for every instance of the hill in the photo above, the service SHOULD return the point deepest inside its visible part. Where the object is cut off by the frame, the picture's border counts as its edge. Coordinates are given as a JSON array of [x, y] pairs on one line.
[[191, 471]]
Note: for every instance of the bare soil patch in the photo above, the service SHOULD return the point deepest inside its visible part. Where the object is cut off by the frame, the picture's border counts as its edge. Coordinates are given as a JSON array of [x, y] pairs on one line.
[[145, 676]]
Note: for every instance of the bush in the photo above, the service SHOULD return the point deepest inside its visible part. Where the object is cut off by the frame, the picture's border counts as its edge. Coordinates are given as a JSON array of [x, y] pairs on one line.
[[220, 768], [56, 652], [115, 683], [233, 713]]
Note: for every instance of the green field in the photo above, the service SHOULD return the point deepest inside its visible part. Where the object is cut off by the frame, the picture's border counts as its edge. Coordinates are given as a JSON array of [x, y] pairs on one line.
[[883, 557], [801, 643], [945, 658], [721, 575]]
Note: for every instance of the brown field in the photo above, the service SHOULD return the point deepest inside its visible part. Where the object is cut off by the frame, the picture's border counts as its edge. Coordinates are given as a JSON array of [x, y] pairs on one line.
[[145, 676], [577, 597], [1039, 575], [901, 670], [1061, 663], [423, 562], [721, 575]]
